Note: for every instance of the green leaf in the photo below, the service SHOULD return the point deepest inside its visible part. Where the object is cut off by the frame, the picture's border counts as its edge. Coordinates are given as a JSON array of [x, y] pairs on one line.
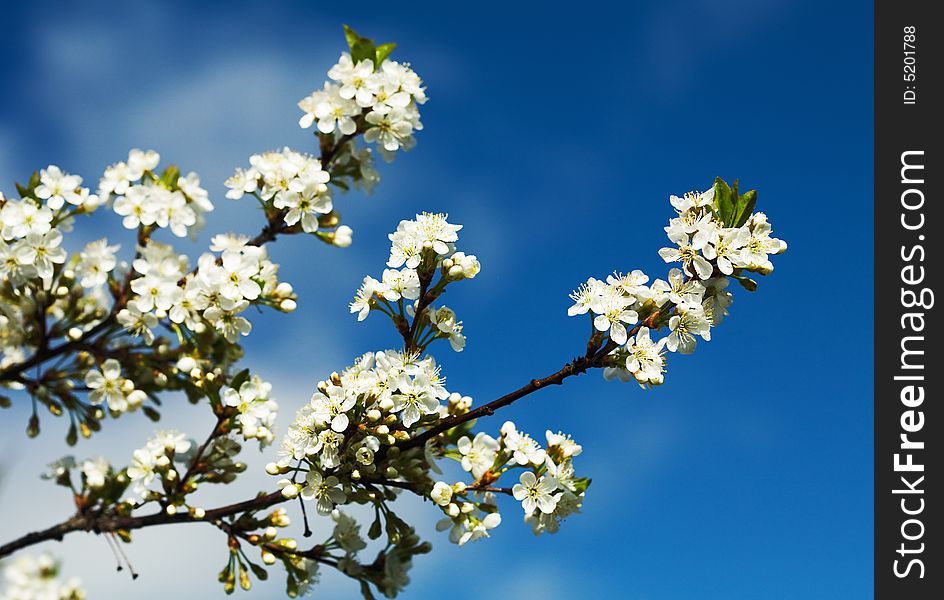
[[744, 208], [384, 51], [361, 48], [170, 176], [240, 378], [5, 402], [26, 191], [581, 484], [351, 36], [724, 201]]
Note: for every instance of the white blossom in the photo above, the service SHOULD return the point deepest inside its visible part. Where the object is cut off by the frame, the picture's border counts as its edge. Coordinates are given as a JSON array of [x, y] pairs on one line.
[[536, 494]]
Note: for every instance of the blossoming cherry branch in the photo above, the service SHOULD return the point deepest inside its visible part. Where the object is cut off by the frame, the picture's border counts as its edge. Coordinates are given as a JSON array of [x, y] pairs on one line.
[[91, 335]]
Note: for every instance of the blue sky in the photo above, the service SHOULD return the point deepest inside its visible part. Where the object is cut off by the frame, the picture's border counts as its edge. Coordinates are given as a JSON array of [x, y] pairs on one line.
[[555, 134]]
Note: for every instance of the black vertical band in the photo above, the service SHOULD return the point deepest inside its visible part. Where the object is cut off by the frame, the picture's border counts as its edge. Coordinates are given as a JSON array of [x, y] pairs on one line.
[[909, 231]]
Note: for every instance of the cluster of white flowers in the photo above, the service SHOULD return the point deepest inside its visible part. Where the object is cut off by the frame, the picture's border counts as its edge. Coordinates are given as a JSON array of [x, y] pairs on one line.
[[291, 181], [33, 256], [381, 100], [155, 461], [95, 263], [29, 578], [31, 228], [465, 520], [420, 246], [388, 391], [95, 471], [257, 409], [548, 489], [108, 385], [704, 243], [690, 302], [430, 236], [215, 293], [145, 198]]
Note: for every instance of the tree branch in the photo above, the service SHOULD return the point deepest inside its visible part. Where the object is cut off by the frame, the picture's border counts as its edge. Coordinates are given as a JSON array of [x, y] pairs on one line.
[[574, 367], [98, 523]]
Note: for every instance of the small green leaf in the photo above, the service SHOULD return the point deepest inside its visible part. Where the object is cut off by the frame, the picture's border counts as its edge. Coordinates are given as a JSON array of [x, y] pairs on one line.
[[361, 48], [581, 484], [170, 176], [351, 36], [240, 378], [745, 207], [383, 51], [723, 201], [5, 402], [22, 191]]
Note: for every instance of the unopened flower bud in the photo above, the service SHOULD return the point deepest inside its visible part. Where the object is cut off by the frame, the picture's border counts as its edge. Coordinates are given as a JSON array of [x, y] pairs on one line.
[[288, 305], [290, 491], [343, 236], [288, 543], [186, 364]]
